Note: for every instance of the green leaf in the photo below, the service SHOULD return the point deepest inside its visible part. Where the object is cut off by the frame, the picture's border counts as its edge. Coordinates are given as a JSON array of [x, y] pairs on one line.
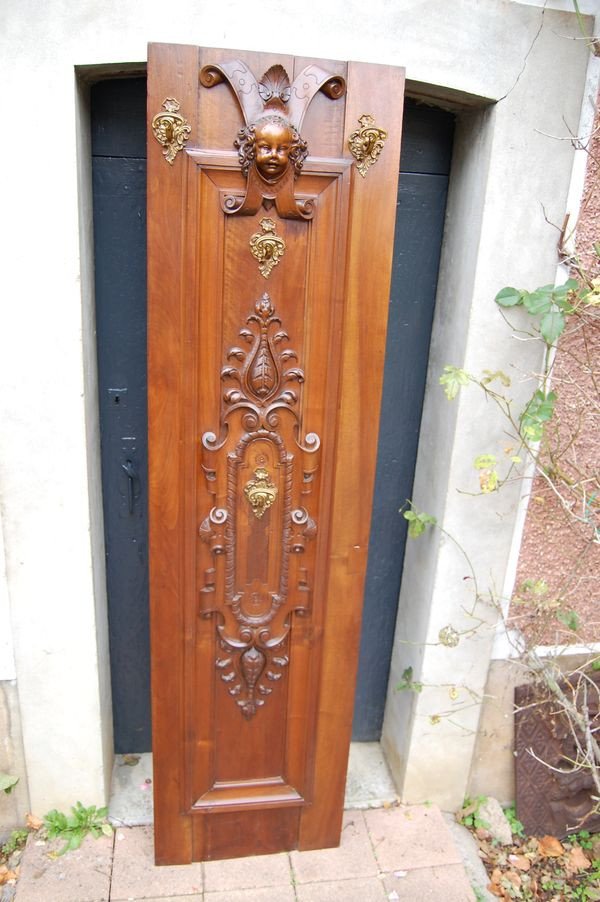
[[538, 411], [570, 619], [107, 829], [418, 521], [489, 376], [538, 302], [552, 325], [484, 462], [452, 379], [596, 664], [407, 682], [509, 297], [7, 782]]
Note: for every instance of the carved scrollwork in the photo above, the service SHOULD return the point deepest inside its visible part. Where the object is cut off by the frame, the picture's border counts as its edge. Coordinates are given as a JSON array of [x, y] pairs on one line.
[[270, 147], [267, 247], [366, 143], [171, 129], [262, 383]]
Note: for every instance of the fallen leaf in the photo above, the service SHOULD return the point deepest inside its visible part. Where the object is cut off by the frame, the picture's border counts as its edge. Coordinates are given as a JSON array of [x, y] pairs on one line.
[[7, 876], [130, 760], [577, 861], [496, 876], [495, 890], [33, 823], [513, 878], [550, 847], [520, 862]]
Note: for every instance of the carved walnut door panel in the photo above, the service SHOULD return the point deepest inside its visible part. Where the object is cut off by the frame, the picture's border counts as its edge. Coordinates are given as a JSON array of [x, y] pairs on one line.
[[272, 186]]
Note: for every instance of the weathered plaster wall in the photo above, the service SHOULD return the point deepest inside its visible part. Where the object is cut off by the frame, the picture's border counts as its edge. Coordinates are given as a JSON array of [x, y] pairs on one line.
[[504, 172]]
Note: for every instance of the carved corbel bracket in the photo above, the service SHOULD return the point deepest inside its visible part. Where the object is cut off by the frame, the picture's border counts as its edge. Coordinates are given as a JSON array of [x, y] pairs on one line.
[[270, 147]]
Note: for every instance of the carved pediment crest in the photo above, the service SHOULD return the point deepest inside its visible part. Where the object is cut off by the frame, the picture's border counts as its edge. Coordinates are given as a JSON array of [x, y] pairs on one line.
[[270, 147]]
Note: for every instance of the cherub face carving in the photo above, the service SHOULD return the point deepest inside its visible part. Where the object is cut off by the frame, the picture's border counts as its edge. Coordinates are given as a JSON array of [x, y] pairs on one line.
[[271, 143]]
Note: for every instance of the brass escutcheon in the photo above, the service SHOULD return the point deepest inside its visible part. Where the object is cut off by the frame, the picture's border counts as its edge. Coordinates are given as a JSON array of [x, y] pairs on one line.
[[267, 247], [366, 143], [170, 129], [260, 492]]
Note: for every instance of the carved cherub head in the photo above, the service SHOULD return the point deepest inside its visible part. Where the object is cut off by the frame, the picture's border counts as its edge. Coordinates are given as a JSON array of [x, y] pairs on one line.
[[271, 143]]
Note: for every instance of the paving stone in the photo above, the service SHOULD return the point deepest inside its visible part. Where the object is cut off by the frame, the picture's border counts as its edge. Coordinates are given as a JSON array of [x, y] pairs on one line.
[[430, 885], [410, 837], [82, 875], [361, 890], [135, 876], [354, 857], [247, 873], [265, 894]]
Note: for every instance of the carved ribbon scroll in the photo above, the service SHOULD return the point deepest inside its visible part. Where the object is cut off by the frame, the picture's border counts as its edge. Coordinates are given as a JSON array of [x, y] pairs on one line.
[[270, 147], [261, 386]]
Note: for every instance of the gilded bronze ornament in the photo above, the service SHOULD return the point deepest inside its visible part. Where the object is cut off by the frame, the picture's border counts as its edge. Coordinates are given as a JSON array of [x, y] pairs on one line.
[[171, 129], [260, 492], [366, 143], [267, 247]]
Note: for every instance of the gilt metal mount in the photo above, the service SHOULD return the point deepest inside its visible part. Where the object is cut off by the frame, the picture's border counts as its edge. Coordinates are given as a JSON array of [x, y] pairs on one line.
[[171, 129], [366, 143], [267, 247], [260, 492]]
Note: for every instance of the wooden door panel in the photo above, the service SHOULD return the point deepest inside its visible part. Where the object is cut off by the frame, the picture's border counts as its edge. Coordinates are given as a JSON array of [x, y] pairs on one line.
[[265, 379]]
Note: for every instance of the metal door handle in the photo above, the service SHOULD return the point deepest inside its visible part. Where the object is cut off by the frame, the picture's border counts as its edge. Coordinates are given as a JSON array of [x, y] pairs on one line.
[[131, 476]]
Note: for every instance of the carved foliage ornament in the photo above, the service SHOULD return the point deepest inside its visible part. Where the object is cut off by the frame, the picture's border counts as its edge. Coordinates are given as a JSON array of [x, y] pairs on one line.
[[366, 143], [270, 147], [170, 129], [267, 247], [261, 384]]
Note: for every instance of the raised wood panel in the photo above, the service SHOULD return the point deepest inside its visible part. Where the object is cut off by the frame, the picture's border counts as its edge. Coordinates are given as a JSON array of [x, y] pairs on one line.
[[263, 431]]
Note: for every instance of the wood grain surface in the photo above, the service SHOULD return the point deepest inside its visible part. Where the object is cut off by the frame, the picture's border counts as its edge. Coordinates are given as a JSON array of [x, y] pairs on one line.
[[263, 420]]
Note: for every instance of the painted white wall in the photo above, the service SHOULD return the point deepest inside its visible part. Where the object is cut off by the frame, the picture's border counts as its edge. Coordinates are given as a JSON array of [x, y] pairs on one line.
[[49, 471]]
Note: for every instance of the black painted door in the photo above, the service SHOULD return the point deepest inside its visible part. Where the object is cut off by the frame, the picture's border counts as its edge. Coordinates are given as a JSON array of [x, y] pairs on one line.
[[119, 186], [119, 182]]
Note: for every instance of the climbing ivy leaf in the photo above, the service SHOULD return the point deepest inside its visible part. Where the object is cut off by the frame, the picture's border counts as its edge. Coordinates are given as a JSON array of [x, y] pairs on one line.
[[552, 325], [7, 782], [407, 682], [538, 412], [452, 379], [418, 521], [570, 619], [509, 297]]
